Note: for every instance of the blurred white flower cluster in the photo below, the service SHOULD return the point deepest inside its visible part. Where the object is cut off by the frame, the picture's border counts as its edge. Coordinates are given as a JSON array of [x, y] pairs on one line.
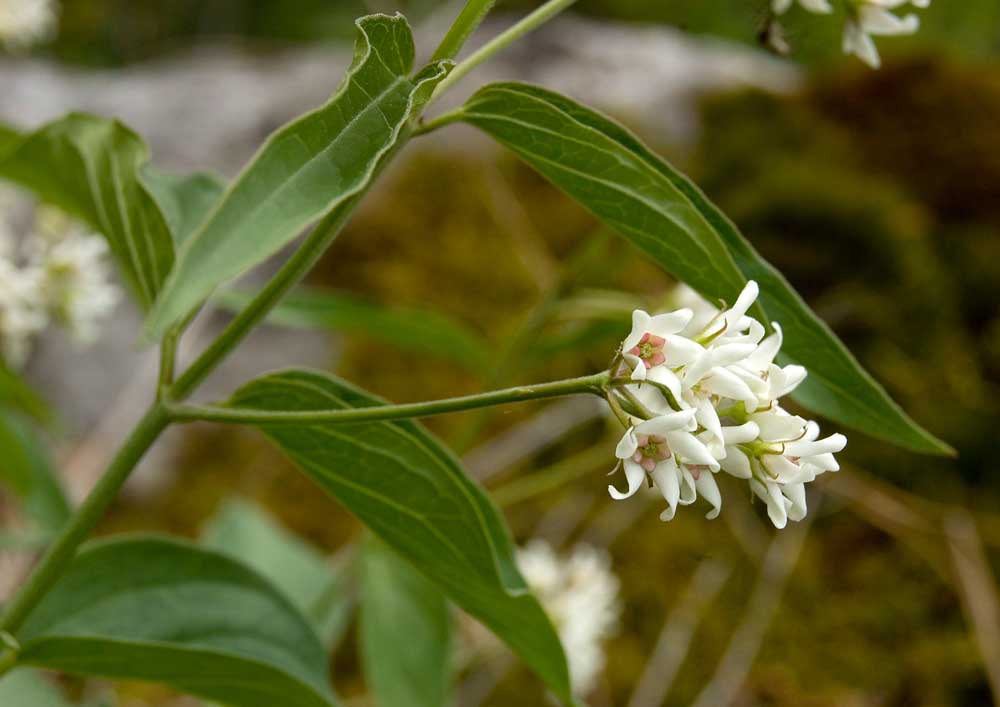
[[865, 19], [57, 274], [704, 398], [580, 594], [26, 22]]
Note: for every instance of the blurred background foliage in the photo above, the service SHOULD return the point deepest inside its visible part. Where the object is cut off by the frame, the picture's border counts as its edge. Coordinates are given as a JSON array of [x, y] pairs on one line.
[[115, 32], [876, 193]]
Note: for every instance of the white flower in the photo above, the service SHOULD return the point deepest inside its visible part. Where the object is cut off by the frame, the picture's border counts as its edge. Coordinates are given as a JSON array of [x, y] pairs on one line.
[[26, 22], [22, 315], [77, 287], [868, 18], [63, 277], [580, 594], [702, 396], [647, 344]]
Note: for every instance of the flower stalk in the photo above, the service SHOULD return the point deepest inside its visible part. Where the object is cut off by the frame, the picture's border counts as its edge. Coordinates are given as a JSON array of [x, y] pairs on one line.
[[594, 384]]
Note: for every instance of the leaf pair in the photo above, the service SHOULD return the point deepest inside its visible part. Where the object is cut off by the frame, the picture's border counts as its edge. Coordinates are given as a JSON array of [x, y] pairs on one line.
[[176, 239]]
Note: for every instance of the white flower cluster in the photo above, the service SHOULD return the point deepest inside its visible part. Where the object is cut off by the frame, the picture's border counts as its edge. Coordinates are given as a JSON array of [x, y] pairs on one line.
[[707, 388], [61, 276], [580, 594], [865, 19], [26, 22]]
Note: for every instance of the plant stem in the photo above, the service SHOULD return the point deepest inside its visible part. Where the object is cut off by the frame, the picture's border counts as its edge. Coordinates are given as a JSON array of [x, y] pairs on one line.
[[486, 52], [168, 359], [594, 384], [465, 24], [448, 118], [62, 551]]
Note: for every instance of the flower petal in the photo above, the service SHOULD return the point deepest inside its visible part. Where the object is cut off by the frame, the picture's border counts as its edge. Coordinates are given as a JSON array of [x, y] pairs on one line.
[[691, 449], [665, 477], [796, 495], [709, 490], [742, 304], [830, 445], [740, 434], [666, 423], [736, 463], [627, 445], [635, 475], [640, 325], [775, 426], [671, 322], [681, 350]]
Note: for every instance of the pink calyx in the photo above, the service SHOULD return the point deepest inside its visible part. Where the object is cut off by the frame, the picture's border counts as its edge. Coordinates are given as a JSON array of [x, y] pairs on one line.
[[651, 451], [650, 350]]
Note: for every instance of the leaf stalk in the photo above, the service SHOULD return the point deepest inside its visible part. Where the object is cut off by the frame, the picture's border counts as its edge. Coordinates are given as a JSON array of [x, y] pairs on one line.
[[184, 413]]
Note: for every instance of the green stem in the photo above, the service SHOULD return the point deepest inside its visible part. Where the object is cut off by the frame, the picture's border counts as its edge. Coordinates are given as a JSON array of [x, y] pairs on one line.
[[486, 52], [168, 359], [465, 24], [448, 118], [62, 551], [595, 385]]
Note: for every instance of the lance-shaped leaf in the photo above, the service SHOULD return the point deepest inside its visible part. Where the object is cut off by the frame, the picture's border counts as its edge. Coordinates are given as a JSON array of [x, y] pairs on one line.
[[610, 172], [405, 328], [157, 609], [317, 585], [90, 167], [412, 493], [27, 470], [306, 169], [405, 632], [184, 200]]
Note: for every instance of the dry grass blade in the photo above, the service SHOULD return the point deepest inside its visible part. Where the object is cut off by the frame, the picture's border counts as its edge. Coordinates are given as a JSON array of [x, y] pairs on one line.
[[779, 561], [978, 590], [675, 638]]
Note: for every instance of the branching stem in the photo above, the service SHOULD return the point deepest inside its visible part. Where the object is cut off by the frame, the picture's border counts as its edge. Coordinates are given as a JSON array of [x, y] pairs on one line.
[[594, 385]]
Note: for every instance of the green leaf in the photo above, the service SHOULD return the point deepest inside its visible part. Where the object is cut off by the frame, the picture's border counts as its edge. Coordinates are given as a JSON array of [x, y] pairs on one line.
[[609, 171], [306, 169], [184, 200], [90, 167], [28, 688], [412, 493], [312, 582], [150, 608], [405, 632], [17, 394], [406, 328], [27, 470]]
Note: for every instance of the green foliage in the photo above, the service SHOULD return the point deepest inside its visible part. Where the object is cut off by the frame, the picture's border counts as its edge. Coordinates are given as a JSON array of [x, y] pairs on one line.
[[667, 216], [405, 632], [27, 688], [318, 163], [316, 586], [150, 608], [412, 329], [184, 200], [27, 471], [92, 167], [412, 493], [18, 395]]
